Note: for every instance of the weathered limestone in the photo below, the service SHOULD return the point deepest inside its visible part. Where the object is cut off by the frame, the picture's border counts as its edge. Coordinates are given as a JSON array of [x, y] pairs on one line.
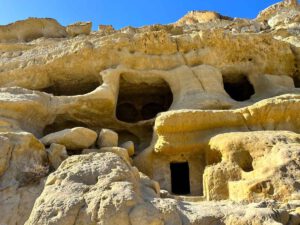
[[57, 154], [113, 192], [22, 165], [107, 200], [5, 154], [107, 29], [72, 139], [282, 6], [244, 156], [129, 145], [30, 29], [24, 161], [16, 203], [107, 138], [24, 110], [195, 17], [79, 28]]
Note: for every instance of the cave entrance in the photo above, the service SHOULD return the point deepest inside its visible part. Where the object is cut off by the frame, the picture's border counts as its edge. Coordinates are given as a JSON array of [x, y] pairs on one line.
[[71, 88], [297, 81], [142, 101], [180, 178], [239, 89]]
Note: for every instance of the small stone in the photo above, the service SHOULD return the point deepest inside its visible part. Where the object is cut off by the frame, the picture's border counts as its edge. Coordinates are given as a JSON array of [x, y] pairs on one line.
[[107, 138], [129, 145]]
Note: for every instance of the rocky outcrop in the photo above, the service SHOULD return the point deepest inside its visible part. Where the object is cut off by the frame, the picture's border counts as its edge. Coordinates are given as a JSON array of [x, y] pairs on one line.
[[250, 178], [79, 28], [283, 6], [107, 138], [195, 17], [30, 29], [23, 165], [113, 192]]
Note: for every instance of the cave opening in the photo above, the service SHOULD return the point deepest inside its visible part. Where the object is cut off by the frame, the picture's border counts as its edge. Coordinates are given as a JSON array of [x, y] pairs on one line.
[[142, 101], [244, 160], [180, 178], [61, 123], [239, 89], [71, 88], [297, 81]]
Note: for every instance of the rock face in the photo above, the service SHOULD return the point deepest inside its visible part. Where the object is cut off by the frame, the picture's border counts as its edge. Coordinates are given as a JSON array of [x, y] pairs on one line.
[[114, 192], [195, 122], [79, 28], [195, 17], [30, 29], [23, 163]]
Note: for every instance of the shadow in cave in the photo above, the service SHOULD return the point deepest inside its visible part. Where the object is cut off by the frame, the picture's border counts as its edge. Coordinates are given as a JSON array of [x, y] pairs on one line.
[[71, 88], [239, 89], [142, 101]]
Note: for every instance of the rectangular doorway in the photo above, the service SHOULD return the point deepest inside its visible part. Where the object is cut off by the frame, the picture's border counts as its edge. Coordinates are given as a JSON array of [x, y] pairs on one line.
[[180, 178]]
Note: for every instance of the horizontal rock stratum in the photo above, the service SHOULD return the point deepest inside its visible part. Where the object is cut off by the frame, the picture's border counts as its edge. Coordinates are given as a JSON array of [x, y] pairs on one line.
[[195, 122]]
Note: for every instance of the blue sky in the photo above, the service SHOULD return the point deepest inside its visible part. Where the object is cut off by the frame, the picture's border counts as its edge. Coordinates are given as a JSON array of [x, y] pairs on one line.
[[122, 13]]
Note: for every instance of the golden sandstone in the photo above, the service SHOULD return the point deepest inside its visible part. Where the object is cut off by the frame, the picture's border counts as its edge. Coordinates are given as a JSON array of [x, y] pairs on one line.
[[196, 122]]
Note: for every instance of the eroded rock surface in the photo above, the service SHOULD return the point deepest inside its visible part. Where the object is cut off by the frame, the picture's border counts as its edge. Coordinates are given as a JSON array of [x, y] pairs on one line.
[[30, 29], [114, 192], [97, 127], [79, 28]]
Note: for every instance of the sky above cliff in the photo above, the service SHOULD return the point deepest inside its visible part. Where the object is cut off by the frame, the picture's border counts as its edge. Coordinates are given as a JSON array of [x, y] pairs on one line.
[[122, 13]]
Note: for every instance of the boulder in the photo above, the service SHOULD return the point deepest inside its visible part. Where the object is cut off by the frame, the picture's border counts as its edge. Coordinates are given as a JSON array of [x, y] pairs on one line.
[[93, 187], [107, 138], [24, 159], [73, 139], [103, 187]]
